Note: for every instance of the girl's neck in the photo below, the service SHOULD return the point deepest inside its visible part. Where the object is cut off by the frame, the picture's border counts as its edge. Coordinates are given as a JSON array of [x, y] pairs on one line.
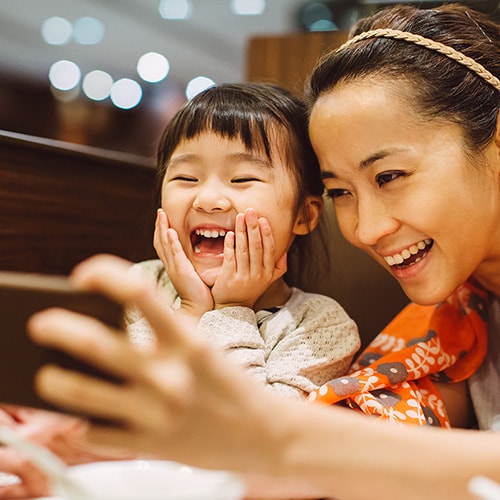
[[275, 296]]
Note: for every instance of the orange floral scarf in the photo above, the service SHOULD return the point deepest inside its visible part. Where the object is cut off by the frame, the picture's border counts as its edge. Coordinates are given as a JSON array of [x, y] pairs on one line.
[[394, 376]]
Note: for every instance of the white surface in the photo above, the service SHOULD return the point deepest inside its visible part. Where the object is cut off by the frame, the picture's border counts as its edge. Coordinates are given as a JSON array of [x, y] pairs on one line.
[[155, 480]]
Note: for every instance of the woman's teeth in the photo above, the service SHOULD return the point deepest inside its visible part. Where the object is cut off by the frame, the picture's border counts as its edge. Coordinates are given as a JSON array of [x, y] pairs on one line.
[[408, 253]]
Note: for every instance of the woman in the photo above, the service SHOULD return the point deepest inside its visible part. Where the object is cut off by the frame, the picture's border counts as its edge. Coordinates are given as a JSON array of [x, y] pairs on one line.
[[406, 131]]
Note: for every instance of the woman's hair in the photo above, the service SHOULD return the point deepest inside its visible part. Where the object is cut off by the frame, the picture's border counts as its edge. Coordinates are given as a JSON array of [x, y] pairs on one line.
[[441, 87], [261, 116]]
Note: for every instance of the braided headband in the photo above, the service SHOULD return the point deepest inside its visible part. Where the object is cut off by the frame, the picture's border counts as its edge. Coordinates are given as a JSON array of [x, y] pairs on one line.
[[457, 56]]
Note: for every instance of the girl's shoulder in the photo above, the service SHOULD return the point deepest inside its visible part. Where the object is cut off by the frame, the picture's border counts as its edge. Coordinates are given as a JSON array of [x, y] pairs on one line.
[[309, 303]]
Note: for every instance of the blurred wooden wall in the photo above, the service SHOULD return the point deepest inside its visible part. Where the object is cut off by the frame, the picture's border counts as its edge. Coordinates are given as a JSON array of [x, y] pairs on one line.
[[288, 59]]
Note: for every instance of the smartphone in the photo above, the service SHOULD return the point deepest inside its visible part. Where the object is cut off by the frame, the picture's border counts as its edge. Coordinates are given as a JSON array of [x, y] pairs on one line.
[[23, 294]]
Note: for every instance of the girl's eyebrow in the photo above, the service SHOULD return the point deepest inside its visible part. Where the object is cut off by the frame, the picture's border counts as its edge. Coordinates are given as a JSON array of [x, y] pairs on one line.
[[233, 157], [249, 157], [181, 159]]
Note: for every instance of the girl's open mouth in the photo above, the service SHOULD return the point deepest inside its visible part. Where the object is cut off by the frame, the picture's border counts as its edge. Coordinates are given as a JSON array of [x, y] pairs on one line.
[[208, 241]]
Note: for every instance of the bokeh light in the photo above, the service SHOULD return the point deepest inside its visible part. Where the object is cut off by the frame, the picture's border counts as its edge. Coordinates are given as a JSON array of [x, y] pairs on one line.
[[126, 93], [97, 85], [88, 31], [248, 7], [56, 30], [175, 9], [153, 67], [196, 85], [64, 75]]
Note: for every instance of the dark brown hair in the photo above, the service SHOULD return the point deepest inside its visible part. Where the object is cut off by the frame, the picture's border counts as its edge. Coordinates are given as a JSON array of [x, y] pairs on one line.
[[257, 114], [441, 88]]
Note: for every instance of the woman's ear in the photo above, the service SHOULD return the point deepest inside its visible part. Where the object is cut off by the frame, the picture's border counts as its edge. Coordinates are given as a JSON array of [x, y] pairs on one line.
[[309, 215], [497, 135]]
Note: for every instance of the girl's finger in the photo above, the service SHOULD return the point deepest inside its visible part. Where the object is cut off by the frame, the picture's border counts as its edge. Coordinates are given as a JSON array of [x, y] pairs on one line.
[[157, 236], [229, 261], [254, 241], [268, 248], [241, 245]]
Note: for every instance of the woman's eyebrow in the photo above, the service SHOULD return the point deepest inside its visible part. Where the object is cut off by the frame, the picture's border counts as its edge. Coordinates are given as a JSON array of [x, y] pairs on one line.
[[325, 174], [367, 162]]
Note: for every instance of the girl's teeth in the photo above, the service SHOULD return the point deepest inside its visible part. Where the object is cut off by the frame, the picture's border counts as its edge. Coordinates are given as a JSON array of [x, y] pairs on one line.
[[210, 233]]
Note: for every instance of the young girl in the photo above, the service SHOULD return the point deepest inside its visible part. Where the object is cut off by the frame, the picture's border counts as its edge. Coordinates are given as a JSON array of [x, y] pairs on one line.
[[240, 190]]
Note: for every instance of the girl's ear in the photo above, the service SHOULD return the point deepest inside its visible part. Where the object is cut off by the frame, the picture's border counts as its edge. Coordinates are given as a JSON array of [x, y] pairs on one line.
[[309, 215]]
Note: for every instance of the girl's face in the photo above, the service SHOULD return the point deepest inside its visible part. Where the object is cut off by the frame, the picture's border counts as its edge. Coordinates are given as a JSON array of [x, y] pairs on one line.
[[405, 192], [209, 180]]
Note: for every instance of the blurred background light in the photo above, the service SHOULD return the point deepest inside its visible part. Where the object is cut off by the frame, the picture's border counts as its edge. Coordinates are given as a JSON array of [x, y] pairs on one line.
[[56, 30], [97, 85], [126, 93], [64, 75], [153, 67], [317, 16], [88, 31], [175, 9], [196, 85], [248, 7]]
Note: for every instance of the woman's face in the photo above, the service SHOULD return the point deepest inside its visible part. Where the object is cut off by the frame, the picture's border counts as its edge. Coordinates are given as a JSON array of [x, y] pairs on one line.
[[404, 190]]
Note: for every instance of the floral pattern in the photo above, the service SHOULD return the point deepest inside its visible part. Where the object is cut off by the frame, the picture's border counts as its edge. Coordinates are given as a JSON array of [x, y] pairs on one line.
[[394, 377]]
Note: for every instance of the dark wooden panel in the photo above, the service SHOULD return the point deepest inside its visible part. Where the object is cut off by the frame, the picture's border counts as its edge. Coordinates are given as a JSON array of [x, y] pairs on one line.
[[288, 59], [60, 203]]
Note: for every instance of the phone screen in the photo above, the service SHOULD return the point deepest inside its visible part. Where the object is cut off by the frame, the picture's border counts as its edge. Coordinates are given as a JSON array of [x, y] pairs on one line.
[[21, 295]]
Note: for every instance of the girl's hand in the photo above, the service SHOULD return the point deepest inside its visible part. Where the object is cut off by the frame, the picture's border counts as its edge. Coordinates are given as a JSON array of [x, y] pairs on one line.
[[250, 265], [195, 295]]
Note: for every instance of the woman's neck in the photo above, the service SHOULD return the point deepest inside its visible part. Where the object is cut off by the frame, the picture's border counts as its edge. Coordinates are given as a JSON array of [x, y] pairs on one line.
[[488, 276]]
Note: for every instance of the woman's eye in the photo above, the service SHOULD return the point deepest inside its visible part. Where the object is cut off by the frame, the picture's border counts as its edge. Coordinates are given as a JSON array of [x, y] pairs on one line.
[[336, 193], [386, 177]]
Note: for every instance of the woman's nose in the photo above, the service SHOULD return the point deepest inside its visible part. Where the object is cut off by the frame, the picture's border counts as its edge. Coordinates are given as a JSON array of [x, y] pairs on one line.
[[211, 197], [374, 221]]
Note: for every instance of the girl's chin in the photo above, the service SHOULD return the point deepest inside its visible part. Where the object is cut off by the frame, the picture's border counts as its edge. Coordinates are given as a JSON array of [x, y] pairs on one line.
[[209, 276]]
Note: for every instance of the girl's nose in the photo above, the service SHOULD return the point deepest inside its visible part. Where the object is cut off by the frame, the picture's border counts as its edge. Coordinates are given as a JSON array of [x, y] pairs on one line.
[[211, 198]]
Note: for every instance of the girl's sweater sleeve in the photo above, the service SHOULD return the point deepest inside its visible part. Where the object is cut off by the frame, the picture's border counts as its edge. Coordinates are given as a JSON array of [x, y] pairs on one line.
[[307, 342]]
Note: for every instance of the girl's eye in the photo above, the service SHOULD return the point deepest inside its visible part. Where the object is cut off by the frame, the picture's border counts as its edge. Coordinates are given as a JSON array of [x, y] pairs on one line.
[[241, 180], [183, 178], [336, 193], [386, 177]]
